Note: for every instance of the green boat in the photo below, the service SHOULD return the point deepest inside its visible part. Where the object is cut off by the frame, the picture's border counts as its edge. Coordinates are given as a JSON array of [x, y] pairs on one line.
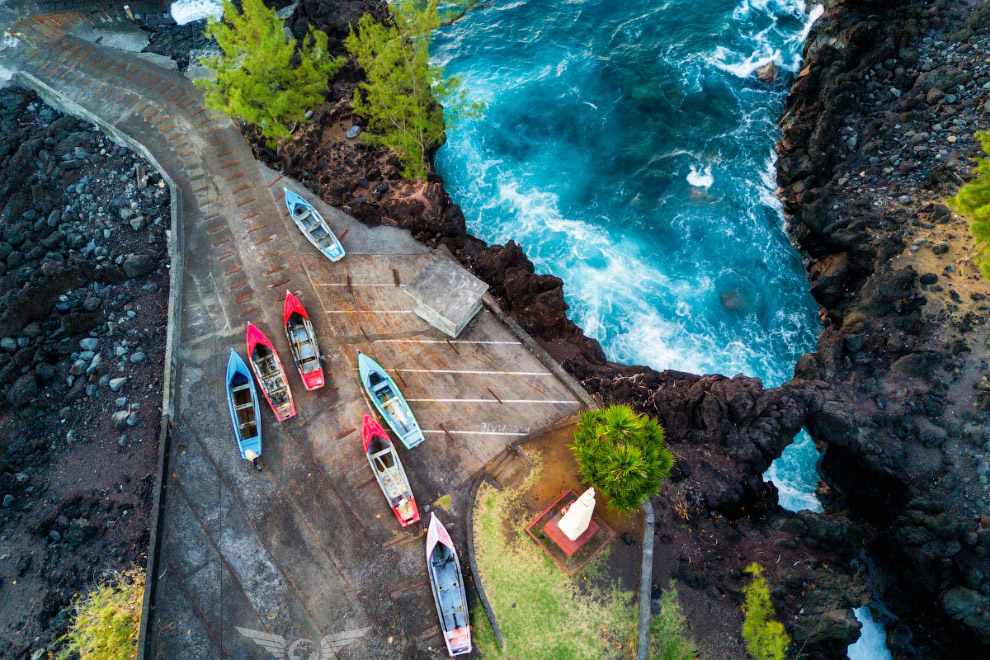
[[389, 402]]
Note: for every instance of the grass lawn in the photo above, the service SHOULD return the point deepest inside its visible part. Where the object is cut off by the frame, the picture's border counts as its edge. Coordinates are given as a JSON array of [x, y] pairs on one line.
[[542, 612]]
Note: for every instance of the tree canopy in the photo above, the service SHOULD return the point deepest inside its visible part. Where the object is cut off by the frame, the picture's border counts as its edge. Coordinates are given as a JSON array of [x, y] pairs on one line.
[[402, 92], [973, 200], [622, 454], [262, 77]]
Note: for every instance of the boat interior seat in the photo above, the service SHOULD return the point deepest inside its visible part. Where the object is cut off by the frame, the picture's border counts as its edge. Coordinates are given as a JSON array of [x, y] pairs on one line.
[[240, 388], [306, 352], [302, 216], [249, 404]]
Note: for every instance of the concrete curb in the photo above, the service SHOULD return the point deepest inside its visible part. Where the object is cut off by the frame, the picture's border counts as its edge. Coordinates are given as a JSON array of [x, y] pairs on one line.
[[475, 574], [645, 583], [176, 244], [541, 354]]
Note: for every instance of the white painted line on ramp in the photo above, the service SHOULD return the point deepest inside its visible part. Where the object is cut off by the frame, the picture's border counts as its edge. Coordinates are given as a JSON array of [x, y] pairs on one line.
[[477, 372], [448, 341], [368, 311], [507, 433], [542, 401]]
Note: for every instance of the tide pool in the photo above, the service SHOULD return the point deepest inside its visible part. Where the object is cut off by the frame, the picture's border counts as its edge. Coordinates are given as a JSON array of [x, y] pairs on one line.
[[629, 149]]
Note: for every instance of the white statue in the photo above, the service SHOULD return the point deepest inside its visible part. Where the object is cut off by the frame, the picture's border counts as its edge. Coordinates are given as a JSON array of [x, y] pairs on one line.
[[575, 522]]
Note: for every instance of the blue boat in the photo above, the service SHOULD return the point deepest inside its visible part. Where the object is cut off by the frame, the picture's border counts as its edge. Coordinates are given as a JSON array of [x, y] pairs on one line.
[[389, 402], [312, 224], [242, 399]]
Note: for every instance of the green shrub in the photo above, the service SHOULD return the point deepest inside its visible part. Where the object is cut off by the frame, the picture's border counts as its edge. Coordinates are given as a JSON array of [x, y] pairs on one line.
[[668, 630], [261, 77], [400, 94], [622, 454], [764, 636], [973, 200], [105, 622]]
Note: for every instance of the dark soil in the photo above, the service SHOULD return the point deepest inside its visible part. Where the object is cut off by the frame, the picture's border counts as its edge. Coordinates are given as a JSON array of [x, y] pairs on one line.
[[84, 276]]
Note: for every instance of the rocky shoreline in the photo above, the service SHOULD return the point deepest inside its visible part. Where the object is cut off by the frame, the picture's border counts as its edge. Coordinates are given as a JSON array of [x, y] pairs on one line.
[[895, 394], [84, 276], [878, 134]]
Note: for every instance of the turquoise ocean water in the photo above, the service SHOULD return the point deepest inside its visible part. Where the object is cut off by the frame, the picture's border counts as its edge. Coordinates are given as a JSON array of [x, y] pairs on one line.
[[629, 149]]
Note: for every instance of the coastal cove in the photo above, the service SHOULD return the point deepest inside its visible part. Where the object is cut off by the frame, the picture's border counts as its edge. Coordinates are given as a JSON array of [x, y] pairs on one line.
[[735, 220], [629, 151], [726, 432]]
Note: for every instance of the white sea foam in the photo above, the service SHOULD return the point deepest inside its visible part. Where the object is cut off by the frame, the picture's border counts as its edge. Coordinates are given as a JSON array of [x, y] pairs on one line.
[[701, 178], [795, 475], [872, 642], [187, 11], [729, 61]]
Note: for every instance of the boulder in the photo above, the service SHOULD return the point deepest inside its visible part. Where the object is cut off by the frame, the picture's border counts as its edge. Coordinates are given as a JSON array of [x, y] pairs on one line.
[[768, 72], [136, 265], [23, 390]]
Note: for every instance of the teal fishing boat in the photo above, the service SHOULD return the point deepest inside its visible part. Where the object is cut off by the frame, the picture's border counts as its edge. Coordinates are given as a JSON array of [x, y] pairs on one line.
[[389, 402], [312, 224]]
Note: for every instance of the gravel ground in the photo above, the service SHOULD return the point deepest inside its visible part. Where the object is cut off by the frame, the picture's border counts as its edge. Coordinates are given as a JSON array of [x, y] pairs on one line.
[[84, 276]]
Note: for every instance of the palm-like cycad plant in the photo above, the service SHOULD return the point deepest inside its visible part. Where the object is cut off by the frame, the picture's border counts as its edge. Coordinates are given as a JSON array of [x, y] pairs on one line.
[[622, 454]]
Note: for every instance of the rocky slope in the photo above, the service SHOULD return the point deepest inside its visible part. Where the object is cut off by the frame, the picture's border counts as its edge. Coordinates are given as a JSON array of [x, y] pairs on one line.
[[877, 136], [84, 282]]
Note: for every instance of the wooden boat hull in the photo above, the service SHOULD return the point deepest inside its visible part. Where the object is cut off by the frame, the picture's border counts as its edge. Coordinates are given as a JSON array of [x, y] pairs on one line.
[[302, 342], [272, 382], [313, 226], [388, 401], [388, 471], [242, 400], [447, 584]]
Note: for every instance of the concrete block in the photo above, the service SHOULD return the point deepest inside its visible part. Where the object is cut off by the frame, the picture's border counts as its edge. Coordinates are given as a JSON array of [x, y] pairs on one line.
[[446, 296]]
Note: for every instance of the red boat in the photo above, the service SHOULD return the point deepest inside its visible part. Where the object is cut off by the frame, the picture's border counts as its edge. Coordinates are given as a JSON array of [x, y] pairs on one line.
[[302, 342], [268, 370], [388, 471]]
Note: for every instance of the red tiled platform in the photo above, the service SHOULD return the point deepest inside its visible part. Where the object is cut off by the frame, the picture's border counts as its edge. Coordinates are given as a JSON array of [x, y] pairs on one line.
[[571, 556]]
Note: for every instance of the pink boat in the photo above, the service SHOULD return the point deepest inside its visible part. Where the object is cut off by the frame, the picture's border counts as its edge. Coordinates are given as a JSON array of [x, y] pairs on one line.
[[268, 370], [448, 588]]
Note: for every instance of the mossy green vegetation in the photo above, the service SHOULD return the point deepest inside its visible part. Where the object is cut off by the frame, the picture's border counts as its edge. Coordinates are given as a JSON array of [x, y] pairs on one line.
[[444, 502], [542, 612], [764, 636], [402, 93], [262, 77], [105, 622], [973, 201], [669, 639], [622, 454]]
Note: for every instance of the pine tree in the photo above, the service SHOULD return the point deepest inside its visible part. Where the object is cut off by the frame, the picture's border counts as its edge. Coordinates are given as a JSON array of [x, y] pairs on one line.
[[622, 454], [973, 200], [262, 78], [400, 95], [764, 636]]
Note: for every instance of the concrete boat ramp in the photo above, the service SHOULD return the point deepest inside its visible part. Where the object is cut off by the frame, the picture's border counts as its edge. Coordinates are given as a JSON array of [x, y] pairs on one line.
[[304, 557]]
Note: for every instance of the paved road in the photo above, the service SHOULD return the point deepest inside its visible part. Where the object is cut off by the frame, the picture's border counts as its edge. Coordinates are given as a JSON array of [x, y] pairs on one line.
[[307, 548]]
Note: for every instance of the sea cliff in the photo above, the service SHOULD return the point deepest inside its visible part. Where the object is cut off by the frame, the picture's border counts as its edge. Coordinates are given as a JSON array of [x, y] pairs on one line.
[[876, 136]]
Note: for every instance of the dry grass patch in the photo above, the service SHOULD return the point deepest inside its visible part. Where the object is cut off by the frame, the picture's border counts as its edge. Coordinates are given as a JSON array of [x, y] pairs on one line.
[[105, 622]]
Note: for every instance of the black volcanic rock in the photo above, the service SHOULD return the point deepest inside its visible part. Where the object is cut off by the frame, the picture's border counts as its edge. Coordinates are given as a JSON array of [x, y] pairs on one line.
[[864, 172]]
